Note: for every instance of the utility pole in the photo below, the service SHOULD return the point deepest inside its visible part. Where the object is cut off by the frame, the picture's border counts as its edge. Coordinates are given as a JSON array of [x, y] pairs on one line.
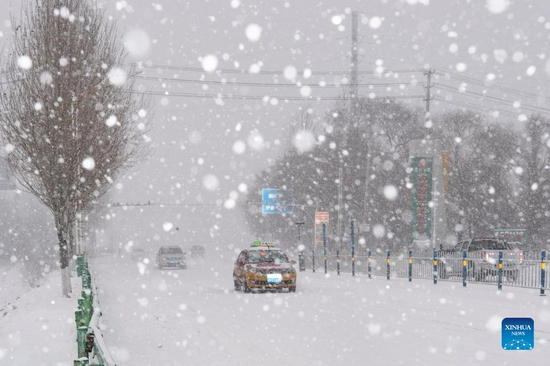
[[429, 85], [431, 150], [353, 108], [354, 63]]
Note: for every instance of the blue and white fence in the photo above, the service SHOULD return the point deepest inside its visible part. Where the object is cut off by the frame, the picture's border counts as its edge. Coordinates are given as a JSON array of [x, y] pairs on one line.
[[529, 270]]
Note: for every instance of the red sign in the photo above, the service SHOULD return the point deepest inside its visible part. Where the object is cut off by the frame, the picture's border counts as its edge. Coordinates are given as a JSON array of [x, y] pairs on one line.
[[320, 219]]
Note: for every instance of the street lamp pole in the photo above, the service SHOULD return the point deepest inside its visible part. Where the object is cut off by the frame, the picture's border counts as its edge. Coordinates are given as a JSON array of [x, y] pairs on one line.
[[299, 224], [301, 258]]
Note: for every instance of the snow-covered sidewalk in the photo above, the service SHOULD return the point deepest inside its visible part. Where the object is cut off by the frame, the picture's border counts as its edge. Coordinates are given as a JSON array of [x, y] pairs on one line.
[[37, 326]]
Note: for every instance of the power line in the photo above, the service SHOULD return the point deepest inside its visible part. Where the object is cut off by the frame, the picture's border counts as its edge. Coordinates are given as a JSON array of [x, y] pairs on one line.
[[493, 86], [498, 100], [452, 75], [479, 108], [233, 83], [254, 84], [267, 72], [260, 97]]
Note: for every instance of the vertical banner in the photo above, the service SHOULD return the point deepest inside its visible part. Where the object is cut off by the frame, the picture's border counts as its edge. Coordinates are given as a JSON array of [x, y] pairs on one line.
[[446, 165], [320, 219], [421, 178]]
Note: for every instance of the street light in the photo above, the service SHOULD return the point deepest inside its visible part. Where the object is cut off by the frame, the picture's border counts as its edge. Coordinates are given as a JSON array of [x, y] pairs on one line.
[[301, 258]]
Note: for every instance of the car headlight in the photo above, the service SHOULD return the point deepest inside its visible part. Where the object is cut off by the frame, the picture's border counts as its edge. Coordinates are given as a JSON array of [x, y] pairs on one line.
[[254, 270], [291, 270]]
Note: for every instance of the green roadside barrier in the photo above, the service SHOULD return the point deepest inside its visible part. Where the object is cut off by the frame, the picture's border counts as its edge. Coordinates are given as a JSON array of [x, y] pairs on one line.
[[90, 344]]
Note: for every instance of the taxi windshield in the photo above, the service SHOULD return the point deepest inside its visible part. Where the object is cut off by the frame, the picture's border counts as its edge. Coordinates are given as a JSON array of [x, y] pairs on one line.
[[266, 256]]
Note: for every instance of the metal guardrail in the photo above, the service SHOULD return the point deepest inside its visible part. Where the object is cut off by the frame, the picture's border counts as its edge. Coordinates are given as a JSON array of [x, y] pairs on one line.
[[90, 344], [529, 271]]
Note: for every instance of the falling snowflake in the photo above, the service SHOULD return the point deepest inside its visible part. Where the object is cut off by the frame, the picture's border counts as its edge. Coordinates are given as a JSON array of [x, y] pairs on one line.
[[88, 163]]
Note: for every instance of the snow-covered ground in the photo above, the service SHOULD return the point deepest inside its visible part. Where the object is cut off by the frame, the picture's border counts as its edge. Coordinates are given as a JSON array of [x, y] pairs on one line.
[[194, 317], [37, 326]]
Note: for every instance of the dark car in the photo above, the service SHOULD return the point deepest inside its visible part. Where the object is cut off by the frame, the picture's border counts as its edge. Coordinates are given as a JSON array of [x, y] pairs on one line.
[[264, 267], [171, 257]]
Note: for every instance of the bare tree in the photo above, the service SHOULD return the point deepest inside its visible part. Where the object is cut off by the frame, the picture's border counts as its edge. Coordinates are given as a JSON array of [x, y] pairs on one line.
[[533, 156], [70, 117], [480, 195]]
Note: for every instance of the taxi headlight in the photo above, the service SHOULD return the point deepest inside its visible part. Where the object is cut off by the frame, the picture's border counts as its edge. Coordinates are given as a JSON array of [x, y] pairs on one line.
[[291, 270], [254, 271]]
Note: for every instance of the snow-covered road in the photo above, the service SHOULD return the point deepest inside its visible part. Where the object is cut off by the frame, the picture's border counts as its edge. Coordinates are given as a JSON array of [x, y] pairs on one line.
[[194, 317]]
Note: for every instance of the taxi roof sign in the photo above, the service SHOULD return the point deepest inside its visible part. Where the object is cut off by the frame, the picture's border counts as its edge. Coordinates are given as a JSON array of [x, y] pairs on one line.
[[258, 243]]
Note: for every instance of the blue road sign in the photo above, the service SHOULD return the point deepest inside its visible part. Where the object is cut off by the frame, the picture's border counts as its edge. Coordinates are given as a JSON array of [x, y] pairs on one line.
[[276, 201]]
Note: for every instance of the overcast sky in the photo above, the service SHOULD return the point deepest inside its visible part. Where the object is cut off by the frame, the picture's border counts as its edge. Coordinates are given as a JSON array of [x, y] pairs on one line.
[[205, 147]]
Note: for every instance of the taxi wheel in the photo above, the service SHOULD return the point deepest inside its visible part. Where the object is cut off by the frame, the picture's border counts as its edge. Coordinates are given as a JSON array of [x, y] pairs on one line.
[[292, 289], [246, 289], [237, 286]]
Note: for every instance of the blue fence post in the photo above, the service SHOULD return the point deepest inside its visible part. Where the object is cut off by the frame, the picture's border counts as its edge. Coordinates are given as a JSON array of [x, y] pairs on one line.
[[499, 285], [410, 265], [388, 261], [352, 249], [542, 272], [435, 266], [368, 263], [313, 260], [325, 245], [338, 262], [464, 269]]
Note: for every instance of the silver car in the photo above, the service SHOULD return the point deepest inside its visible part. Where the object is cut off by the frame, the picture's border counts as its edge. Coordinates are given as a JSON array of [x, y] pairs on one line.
[[171, 257]]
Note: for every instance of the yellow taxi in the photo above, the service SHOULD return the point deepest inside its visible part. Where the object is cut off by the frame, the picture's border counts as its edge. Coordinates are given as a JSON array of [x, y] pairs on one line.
[[264, 267]]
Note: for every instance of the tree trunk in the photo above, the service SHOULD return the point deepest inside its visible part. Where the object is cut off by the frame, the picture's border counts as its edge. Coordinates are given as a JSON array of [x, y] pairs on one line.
[[70, 242], [66, 281], [64, 264]]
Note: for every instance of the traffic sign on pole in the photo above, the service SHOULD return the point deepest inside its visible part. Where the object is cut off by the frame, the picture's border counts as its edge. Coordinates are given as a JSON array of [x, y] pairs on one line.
[[320, 219], [276, 201]]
